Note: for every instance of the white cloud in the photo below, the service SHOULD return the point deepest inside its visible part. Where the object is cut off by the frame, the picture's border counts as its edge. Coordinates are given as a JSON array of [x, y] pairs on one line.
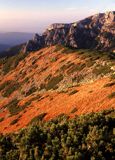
[[71, 8]]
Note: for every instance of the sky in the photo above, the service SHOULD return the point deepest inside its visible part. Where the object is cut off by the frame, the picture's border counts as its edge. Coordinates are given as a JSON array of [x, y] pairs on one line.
[[36, 15]]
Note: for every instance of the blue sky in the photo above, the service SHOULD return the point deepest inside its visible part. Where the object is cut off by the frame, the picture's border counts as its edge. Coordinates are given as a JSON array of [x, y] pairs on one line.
[[36, 15]]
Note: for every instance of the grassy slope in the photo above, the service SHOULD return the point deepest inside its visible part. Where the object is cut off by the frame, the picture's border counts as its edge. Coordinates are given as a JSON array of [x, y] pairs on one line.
[[53, 81]]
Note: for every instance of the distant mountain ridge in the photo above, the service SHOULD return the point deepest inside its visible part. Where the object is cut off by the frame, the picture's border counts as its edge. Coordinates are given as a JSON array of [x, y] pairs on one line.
[[11, 39], [4, 47], [94, 32], [11, 51]]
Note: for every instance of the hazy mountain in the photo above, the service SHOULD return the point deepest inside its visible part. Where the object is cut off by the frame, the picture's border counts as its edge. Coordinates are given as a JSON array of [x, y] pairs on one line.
[[13, 38], [11, 51], [4, 47]]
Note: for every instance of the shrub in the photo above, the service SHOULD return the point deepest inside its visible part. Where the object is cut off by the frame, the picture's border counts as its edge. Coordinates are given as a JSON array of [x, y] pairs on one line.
[[99, 70], [12, 62], [34, 61], [1, 119], [38, 118], [26, 104], [90, 63], [14, 121], [76, 67], [109, 84], [26, 80], [112, 95], [13, 107], [112, 56], [73, 92], [52, 84], [67, 50], [5, 84], [112, 76], [58, 48], [74, 110], [31, 90], [11, 87], [66, 66], [48, 77], [88, 137], [53, 59]]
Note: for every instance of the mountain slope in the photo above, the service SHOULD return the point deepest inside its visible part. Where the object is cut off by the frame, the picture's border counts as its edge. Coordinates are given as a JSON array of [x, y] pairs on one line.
[[52, 81]]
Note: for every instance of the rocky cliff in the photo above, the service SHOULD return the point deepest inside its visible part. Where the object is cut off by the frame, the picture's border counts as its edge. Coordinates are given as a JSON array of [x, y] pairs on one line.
[[35, 44], [96, 31]]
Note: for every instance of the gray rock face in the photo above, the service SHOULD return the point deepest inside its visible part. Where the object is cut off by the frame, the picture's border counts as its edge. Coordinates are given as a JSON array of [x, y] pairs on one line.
[[97, 31], [35, 44], [56, 34]]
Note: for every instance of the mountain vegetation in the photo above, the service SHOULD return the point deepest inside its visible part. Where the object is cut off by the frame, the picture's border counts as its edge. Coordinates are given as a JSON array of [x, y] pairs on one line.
[[89, 137], [52, 81]]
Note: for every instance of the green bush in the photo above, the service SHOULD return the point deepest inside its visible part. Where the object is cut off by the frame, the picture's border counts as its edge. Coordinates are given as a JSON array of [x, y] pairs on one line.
[[99, 70], [76, 67], [14, 121], [74, 110], [67, 50], [38, 118], [112, 95], [53, 59], [89, 137], [73, 92], [31, 90], [112, 76], [11, 87], [13, 107], [12, 62], [109, 84], [1, 119], [58, 48], [53, 82]]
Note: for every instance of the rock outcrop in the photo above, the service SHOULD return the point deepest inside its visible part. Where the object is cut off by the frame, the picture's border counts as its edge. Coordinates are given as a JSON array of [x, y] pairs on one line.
[[35, 44], [96, 31], [56, 34]]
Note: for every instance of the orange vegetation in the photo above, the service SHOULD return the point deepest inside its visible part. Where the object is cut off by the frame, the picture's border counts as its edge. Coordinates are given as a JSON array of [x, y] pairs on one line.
[[89, 97]]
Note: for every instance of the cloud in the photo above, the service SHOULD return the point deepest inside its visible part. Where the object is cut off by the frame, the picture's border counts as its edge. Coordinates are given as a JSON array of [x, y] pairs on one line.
[[71, 8]]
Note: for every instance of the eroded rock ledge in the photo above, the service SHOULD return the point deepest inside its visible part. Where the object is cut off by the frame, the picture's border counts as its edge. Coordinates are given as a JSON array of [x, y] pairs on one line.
[[96, 31]]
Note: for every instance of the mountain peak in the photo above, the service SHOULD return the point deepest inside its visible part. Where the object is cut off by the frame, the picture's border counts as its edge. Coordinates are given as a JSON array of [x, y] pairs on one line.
[[109, 17], [97, 31], [58, 26]]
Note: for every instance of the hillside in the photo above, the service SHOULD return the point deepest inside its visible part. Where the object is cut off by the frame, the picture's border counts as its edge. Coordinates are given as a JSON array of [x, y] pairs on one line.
[[53, 81]]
